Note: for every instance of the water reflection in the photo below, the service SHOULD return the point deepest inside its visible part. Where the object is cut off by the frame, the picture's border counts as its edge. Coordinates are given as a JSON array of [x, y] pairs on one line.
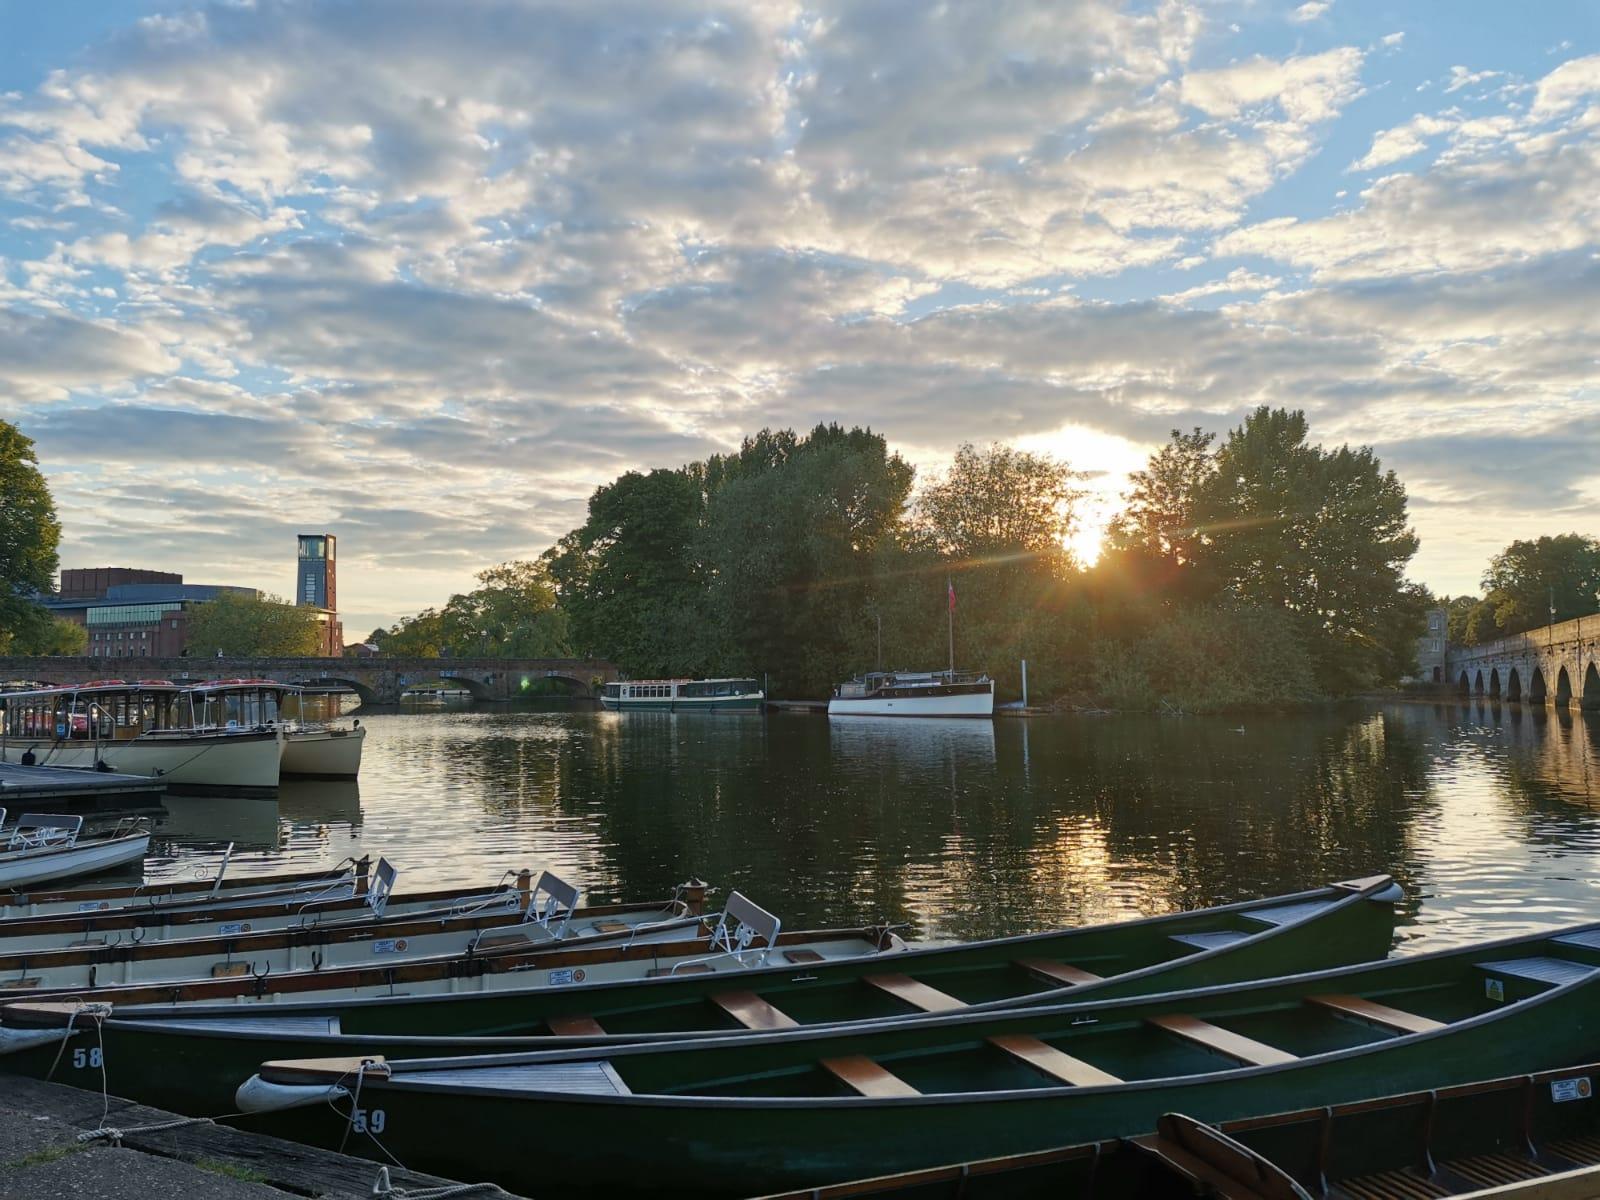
[[1488, 815]]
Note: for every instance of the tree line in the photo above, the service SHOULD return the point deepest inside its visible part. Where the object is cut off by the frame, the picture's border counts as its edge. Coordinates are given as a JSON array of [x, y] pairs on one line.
[[1528, 584]]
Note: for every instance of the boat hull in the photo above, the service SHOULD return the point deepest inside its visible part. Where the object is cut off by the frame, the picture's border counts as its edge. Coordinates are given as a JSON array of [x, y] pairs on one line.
[[322, 753], [243, 761], [710, 704], [963, 704], [89, 857]]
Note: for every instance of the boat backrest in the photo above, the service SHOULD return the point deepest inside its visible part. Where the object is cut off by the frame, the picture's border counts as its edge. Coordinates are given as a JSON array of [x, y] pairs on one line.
[[382, 885], [44, 829], [1216, 1162], [745, 925], [550, 904]]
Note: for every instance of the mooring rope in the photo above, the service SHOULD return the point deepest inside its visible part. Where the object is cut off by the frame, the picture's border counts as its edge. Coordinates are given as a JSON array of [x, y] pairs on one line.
[[382, 1187]]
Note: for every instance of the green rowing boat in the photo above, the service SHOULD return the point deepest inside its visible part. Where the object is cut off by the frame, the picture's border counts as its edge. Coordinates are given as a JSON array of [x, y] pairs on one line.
[[190, 1056], [808, 1107], [1526, 1135]]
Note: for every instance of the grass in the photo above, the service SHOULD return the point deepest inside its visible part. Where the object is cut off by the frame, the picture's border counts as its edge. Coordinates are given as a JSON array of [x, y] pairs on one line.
[[232, 1170], [49, 1154]]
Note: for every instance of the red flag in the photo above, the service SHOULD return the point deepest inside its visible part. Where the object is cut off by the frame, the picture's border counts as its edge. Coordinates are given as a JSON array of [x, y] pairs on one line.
[[949, 584]]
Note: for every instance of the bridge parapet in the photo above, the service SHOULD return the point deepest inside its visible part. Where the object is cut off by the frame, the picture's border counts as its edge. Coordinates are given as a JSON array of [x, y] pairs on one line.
[[1554, 664], [376, 680]]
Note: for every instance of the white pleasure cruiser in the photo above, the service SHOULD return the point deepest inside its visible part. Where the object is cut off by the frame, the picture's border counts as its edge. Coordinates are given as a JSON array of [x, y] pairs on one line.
[[914, 694], [311, 749], [146, 727]]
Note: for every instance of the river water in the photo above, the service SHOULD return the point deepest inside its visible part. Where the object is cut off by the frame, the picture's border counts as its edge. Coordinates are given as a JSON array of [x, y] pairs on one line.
[[1489, 816]]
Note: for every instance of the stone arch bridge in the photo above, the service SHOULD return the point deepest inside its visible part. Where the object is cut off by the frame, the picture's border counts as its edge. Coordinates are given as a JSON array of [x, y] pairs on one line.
[[375, 680], [1552, 665]]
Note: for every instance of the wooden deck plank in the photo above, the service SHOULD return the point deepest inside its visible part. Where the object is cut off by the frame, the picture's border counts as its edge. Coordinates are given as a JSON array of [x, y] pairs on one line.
[[860, 1073], [918, 995], [751, 1011], [575, 1027], [1376, 1014], [1223, 1041], [1054, 1063], [1058, 972]]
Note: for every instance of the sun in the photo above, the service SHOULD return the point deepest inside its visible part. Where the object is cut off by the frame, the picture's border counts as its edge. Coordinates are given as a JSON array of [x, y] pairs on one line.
[[1106, 460]]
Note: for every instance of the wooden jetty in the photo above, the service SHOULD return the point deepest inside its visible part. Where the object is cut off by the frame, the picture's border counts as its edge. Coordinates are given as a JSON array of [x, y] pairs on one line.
[[67, 785]]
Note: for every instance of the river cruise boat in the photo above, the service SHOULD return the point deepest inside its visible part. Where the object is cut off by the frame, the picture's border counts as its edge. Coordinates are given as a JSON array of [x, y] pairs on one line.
[[914, 694], [146, 727], [311, 749], [684, 695]]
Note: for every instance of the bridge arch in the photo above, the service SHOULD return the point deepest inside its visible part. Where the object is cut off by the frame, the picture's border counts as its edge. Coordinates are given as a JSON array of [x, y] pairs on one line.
[[1513, 686], [476, 688], [1563, 688], [1591, 688], [1463, 685], [1494, 682], [364, 692], [1536, 687], [1477, 684]]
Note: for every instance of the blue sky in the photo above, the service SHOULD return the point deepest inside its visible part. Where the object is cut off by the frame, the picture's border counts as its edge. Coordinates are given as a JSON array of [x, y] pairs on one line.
[[423, 275]]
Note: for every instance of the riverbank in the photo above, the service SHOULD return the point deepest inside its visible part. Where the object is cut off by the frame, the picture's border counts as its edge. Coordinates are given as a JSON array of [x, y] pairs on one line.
[[45, 1153]]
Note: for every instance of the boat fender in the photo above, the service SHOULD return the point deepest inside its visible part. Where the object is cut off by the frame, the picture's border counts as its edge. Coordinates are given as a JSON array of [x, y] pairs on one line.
[[256, 1095], [13, 1041], [1392, 894]]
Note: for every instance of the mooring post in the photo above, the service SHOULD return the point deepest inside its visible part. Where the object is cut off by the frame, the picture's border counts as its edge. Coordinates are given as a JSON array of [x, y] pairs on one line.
[[525, 885], [694, 896], [1024, 683]]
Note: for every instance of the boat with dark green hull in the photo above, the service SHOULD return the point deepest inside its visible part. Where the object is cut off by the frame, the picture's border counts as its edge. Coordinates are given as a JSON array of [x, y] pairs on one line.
[[1532, 1136], [810, 1107], [189, 1056]]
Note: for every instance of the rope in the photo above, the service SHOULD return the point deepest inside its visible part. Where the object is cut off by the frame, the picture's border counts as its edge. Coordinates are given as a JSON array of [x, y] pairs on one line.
[[382, 1187], [114, 1135]]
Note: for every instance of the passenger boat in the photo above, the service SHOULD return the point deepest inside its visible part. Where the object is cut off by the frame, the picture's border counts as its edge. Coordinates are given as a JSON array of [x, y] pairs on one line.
[[148, 727], [311, 749], [195, 1053], [163, 894], [45, 847], [806, 1108], [684, 695], [504, 922], [914, 694], [1535, 1136]]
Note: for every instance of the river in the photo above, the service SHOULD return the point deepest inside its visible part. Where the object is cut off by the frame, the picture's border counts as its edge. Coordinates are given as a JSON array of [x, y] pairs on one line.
[[1489, 816]]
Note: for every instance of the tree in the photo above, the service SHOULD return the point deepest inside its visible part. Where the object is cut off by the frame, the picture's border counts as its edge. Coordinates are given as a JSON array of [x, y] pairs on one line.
[[29, 537], [53, 635], [1526, 579], [1320, 533], [1160, 517], [1002, 502], [252, 626]]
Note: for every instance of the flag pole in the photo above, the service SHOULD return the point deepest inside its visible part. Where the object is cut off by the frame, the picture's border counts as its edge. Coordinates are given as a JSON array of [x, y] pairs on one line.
[[950, 591]]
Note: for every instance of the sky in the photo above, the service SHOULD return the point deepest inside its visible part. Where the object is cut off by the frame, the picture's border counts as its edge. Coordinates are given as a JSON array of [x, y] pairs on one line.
[[423, 275]]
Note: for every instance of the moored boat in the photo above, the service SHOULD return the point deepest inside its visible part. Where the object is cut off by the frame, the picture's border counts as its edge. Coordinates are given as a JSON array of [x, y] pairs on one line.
[[914, 694], [1535, 1136], [148, 727], [311, 749], [195, 1051], [46, 847], [683, 695], [810, 1107]]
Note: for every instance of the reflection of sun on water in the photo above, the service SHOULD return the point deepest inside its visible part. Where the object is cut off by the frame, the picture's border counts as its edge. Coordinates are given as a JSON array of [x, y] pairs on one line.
[[1108, 460]]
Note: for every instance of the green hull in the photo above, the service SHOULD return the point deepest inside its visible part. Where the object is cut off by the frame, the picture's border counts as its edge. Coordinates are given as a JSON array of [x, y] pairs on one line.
[[729, 1119], [163, 1055]]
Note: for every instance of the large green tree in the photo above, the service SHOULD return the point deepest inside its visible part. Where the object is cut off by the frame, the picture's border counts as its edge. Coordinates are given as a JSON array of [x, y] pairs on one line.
[[52, 635], [252, 626], [29, 537], [1528, 579], [512, 613]]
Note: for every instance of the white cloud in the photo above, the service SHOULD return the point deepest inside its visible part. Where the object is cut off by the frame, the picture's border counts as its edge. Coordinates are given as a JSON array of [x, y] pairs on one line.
[[1569, 83], [1392, 145], [1311, 10], [1460, 77], [1305, 89]]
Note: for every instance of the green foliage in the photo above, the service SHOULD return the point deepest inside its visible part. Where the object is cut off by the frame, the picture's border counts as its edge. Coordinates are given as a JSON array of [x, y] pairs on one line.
[[1002, 504], [51, 635], [511, 614], [29, 537], [1529, 578], [252, 626]]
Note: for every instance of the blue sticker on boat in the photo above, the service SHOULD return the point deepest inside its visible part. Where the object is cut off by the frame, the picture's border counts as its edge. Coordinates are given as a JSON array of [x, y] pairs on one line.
[[565, 976], [233, 927], [94, 906], [389, 946], [1495, 989], [1562, 1090]]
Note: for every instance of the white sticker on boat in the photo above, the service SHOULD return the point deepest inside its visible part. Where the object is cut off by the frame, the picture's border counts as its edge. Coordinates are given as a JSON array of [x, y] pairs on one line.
[[565, 976], [1562, 1090], [1495, 989], [94, 906], [233, 927], [389, 946]]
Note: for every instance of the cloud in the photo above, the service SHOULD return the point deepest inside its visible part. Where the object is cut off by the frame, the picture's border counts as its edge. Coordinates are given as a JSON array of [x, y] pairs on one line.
[[1311, 10], [1402, 141], [1304, 89]]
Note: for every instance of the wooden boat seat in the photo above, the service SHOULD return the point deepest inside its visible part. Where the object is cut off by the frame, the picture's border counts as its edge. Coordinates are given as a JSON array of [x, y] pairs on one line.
[[1374, 1013], [575, 1027], [1541, 969], [230, 970], [1288, 914], [1587, 938], [698, 968], [802, 956], [751, 1011], [1054, 1063], [1223, 1041], [918, 995], [1211, 941], [500, 941], [862, 1075], [611, 927], [1058, 972]]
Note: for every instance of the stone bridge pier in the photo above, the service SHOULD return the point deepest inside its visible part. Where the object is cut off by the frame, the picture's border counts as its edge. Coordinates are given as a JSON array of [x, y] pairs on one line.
[[1555, 665], [375, 680]]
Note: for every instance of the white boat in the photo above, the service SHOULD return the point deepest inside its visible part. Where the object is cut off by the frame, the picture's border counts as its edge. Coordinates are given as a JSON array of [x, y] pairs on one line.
[[914, 694], [44, 847], [144, 727], [311, 749], [684, 695]]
